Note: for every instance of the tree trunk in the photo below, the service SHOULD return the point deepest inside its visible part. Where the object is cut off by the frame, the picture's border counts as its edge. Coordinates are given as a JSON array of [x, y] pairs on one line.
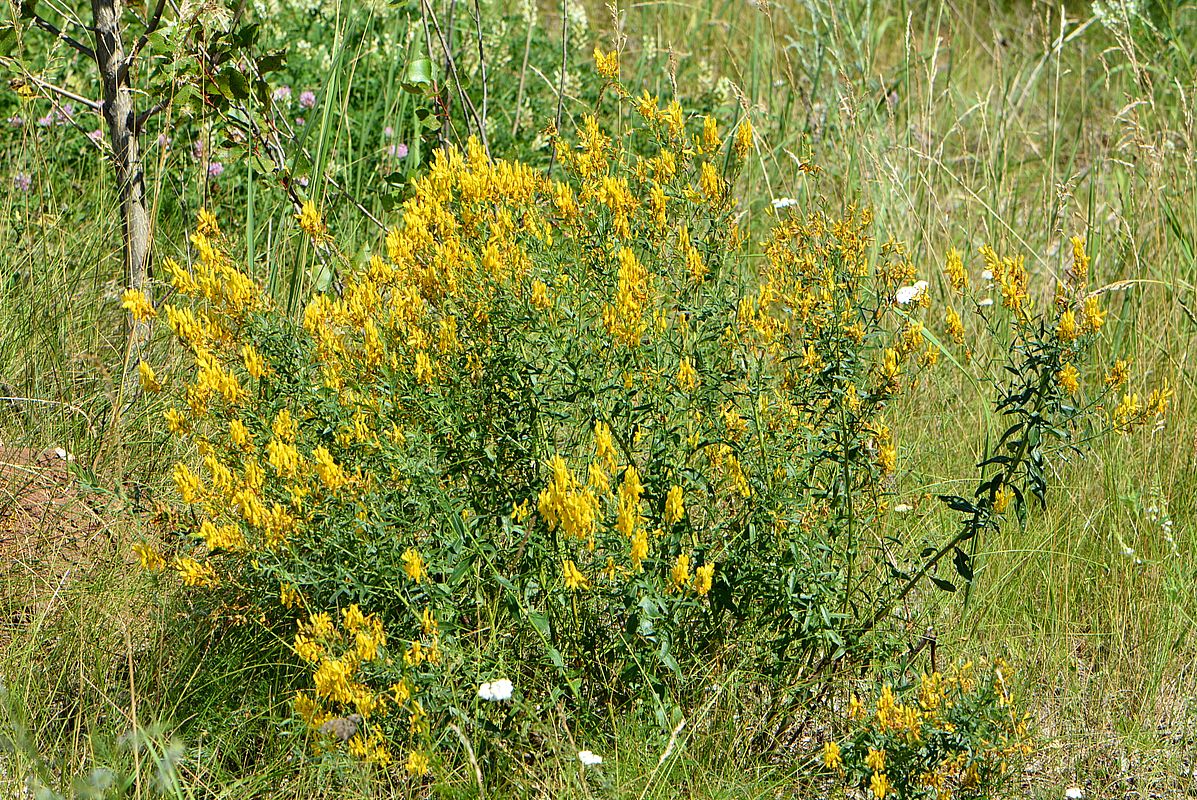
[[121, 117]]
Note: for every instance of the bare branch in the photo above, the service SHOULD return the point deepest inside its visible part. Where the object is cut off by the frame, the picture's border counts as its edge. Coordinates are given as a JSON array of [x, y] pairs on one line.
[[69, 95], [145, 116], [482, 63], [561, 87], [52, 29]]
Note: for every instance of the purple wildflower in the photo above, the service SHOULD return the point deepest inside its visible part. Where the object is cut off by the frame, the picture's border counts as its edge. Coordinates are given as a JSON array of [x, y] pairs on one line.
[[282, 94], [15, 121], [96, 136], [215, 169], [388, 131], [307, 99], [397, 150], [22, 181]]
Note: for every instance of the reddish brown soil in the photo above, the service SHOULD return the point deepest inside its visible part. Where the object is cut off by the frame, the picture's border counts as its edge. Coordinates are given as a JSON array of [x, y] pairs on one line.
[[47, 525]]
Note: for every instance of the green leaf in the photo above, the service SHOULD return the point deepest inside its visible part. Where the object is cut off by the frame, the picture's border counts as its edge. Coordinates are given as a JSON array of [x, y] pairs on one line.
[[8, 40], [947, 586], [418, 75], [272, 62], [963, 563], [540, 622], [232, 84]]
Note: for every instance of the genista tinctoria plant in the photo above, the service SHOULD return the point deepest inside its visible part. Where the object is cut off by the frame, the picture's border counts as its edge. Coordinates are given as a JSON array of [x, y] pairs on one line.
[[580, 434]]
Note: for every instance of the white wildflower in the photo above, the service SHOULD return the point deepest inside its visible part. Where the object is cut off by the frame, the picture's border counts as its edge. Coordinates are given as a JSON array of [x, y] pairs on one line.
[[495, 691], [908, 294], [588, 758], [784, 202], [1074, 793]]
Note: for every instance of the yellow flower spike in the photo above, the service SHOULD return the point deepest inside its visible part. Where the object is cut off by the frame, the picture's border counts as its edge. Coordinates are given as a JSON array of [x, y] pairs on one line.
[[1067, 329], [1069, 379], [1080, 261], [832, 758], [711, 184], [139, 305], [879, 785], [205, 223], [331, 474], [875, 760], [288, 595], [188, 484], [710, 135], [1093, 315], [353, 618], [147, 377], [196, 574], [285, 427], [607, 64], [955, 326], [574, 579], [687, 376], [957, 275], [148, 557], [679, 575], [604, 445], [703, 577], [639, 549], [255, 365], [417, 764], [540, 296], [311, 223], [423, 369], [674, 505], [413, 565], [647, 107], [743, 141]]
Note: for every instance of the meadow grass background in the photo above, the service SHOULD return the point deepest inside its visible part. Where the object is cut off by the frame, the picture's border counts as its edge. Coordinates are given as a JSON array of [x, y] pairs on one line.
[[1015, 124]]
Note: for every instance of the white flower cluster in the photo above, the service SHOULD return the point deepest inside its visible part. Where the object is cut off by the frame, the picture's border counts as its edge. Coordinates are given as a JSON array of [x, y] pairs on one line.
[[495, 691], [588, 758]]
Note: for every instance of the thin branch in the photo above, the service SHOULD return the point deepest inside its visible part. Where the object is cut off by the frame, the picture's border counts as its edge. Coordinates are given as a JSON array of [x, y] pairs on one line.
[[52, 29], [482, 63], [144, 39], [69, 95], [465, 98], [275, 144], [145, 116], [519, 95], [561, 87]]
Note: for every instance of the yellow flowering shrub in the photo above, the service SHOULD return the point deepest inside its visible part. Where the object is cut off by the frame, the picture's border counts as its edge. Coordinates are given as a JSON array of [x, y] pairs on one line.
[[580, 423], [957, 734]]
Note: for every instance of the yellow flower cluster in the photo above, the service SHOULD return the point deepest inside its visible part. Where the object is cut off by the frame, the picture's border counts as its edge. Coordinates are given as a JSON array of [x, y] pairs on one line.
[[904, 748], [565, 503], [341, 700]]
